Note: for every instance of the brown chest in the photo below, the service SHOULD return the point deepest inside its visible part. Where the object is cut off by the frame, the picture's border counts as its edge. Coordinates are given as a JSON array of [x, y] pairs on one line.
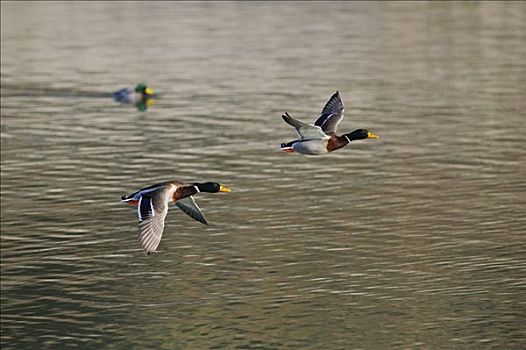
[[183, 192], [336, 142]]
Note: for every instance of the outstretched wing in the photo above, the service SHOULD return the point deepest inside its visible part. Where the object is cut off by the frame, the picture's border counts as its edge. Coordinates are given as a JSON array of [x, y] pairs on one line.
[[189, 206], [331, 114], [305, 131], [151, 210], [150, 232]]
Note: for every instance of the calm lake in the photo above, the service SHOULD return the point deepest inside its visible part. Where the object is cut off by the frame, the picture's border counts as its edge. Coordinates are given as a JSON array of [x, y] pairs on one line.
[[413, 241]]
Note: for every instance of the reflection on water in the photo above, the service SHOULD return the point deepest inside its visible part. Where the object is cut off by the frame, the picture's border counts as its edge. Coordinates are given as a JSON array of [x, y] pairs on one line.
[[413, 241], [123, 96]]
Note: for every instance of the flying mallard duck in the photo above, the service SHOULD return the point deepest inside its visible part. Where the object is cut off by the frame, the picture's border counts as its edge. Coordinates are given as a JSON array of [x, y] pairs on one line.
[[321, 137], [152, 207], [141, 93]]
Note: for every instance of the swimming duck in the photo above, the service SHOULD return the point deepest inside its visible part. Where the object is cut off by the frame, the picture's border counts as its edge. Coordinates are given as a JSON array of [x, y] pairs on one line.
[[141, 93], [320, 137], [152, 206]]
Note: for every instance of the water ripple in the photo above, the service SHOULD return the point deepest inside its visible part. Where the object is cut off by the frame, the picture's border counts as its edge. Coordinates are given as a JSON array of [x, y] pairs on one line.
[[411, 241]]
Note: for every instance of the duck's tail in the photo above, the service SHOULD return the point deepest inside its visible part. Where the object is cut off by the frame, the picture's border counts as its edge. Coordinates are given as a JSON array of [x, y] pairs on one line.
[[287, 147], [129, 200]]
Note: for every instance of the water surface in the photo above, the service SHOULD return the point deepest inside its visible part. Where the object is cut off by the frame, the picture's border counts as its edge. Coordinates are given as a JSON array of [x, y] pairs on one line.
[[413, 241]]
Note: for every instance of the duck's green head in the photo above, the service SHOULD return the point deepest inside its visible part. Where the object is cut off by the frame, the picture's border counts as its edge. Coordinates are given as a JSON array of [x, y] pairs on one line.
[[212, 187], [361, 134], [144, 89]]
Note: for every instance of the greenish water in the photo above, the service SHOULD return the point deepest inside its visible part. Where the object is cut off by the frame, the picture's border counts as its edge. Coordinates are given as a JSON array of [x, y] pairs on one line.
[[413, 241]]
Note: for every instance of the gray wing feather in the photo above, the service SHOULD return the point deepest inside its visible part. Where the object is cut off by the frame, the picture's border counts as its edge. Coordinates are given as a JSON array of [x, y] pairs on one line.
[[331, 114], [189, 206], [152, 210], [334, 105], [329, 122], [304, 130], [151, 231]]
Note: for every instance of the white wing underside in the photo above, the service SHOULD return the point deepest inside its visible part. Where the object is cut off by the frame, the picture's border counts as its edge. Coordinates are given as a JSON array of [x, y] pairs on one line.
[[306, 131], [311, 132]]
